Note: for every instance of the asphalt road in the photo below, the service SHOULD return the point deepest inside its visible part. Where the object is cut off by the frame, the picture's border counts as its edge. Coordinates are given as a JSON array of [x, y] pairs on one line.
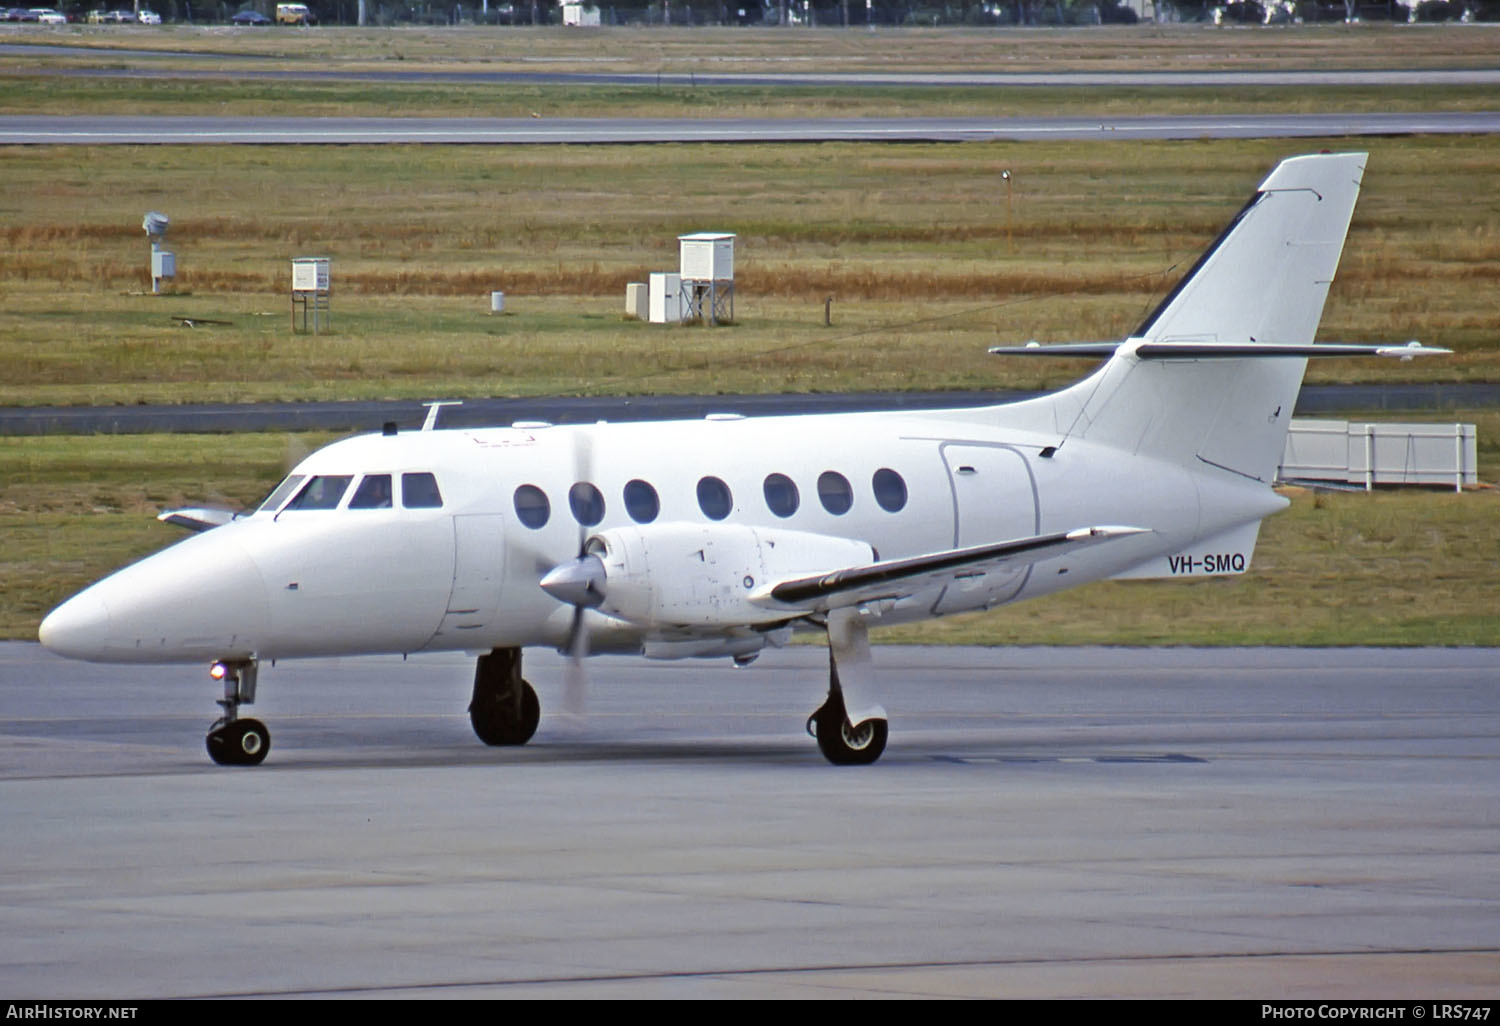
[[1314, 400], [97, 130], [1272, 824]]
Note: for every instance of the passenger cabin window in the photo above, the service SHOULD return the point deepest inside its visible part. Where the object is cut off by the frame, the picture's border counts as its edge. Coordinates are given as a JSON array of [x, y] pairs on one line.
[[781, 495], [374, 492], [834, 492], [279, 495], [587, 503], [890, 490], [641, 502], [420, 491], [714, 498], [532, 507], [322, 492]]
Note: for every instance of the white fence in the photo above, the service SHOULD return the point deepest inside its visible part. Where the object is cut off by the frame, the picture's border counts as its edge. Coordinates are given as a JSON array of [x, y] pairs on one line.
[[1361, 453]]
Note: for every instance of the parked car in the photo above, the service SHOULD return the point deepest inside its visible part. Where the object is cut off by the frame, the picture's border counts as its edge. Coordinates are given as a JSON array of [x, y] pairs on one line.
[[250, 18], [149, 18], [47, 16], [20, 14]]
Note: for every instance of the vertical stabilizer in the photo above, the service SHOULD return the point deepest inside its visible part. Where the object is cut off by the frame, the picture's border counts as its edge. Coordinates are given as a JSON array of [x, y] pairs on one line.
[[1263, 282], [1266, 277]]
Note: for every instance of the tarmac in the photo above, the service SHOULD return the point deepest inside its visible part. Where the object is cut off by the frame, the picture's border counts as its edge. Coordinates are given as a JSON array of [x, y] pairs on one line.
[[1226, 823]]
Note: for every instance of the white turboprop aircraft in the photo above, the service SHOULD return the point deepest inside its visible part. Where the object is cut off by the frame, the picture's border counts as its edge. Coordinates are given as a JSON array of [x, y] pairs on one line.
[[716, 538]]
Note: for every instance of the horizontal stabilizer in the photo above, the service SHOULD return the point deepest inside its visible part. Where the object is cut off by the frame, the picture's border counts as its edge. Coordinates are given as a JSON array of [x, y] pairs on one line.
[[1220, 350], [898, 578], [1094, 350]]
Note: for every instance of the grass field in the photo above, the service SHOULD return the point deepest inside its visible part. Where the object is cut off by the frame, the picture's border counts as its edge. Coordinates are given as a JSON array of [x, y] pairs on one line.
[[927, 260], [742, 50], [927, 257]]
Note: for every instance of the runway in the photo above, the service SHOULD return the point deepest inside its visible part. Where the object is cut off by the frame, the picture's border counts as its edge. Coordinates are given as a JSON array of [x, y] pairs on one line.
[[99, 130], [370, 415], [1274, 824]]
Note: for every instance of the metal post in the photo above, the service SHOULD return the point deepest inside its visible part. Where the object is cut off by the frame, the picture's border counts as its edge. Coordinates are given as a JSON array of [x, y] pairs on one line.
[[1009, 210], [1458, 457]]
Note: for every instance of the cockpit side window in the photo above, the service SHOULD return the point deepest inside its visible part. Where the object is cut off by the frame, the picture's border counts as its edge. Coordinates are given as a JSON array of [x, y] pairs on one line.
[[278, 496], [420, 491], [374, 492], [322, 492]]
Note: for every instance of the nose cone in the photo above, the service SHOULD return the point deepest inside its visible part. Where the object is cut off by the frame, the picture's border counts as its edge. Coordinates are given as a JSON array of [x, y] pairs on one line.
[[201, 599], [77, 628]]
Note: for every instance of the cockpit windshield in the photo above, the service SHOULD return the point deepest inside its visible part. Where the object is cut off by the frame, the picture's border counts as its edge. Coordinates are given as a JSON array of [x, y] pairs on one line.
[[279, 494], [418, 490], [322, 492]]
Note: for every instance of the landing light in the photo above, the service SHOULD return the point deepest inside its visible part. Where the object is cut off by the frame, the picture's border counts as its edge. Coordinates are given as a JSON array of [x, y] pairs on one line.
[[218, 671]]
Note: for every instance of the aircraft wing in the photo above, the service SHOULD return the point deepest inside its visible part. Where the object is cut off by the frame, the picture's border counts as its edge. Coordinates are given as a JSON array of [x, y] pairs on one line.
[[898, 578], [197, 519]]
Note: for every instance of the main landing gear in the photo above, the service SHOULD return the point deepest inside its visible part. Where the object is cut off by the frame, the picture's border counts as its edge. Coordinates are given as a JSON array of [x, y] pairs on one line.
[[233, 741], [504, 709], [850, 730]]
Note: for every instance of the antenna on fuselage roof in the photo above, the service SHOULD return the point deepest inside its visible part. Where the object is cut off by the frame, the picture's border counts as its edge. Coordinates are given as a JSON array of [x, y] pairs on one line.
[[432, 411]]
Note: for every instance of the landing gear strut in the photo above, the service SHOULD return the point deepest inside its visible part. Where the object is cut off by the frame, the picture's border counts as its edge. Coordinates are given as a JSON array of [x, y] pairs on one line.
[[233, 741], [850, 730], [504, 709]]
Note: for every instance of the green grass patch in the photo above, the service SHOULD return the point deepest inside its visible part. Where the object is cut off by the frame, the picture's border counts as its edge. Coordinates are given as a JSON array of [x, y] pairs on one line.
[[165, 96], [1407, 567]]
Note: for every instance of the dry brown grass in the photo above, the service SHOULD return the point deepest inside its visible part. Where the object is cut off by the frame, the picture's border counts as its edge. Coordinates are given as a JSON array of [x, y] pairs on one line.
[[707, 49], [927, 263]]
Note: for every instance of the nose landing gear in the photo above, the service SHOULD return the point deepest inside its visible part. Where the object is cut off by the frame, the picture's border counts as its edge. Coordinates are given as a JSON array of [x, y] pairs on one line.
[[233, 741]]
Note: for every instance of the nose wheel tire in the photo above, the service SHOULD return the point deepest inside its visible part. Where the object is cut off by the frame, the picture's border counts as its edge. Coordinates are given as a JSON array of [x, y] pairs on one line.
[[843, 744], [239, 743]]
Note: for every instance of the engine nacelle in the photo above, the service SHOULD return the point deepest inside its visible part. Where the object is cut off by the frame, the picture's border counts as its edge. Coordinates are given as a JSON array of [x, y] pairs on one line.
[[702, 575]]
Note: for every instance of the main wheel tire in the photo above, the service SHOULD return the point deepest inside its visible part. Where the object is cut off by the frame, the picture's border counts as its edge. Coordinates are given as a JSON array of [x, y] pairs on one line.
[[239, 743], [846, 745], [495, 720]]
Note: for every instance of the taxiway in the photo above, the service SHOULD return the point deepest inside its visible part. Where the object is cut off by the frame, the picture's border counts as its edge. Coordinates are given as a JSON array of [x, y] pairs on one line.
[[1045, 822]]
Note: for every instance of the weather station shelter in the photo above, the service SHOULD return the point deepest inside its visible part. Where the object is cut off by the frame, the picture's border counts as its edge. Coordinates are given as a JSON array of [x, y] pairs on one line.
[[707, 272], [311, 291]]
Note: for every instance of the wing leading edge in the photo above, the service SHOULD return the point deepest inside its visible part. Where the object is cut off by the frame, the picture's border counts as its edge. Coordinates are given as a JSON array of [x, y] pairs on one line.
[[898, 578]]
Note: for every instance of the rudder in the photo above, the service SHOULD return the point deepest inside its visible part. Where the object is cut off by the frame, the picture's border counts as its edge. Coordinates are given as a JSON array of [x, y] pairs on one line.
[[1263, 282]]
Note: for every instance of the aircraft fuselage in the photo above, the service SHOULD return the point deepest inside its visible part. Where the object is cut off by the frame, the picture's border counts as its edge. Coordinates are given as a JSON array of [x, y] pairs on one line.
[[463, 575]]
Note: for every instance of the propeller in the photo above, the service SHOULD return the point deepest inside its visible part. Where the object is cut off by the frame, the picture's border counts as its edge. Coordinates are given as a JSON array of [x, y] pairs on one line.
[[580, 583], [296, 452]]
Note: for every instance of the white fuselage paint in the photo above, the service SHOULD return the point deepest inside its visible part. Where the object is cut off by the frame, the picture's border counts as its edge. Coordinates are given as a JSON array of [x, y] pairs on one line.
[[464, 576]]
